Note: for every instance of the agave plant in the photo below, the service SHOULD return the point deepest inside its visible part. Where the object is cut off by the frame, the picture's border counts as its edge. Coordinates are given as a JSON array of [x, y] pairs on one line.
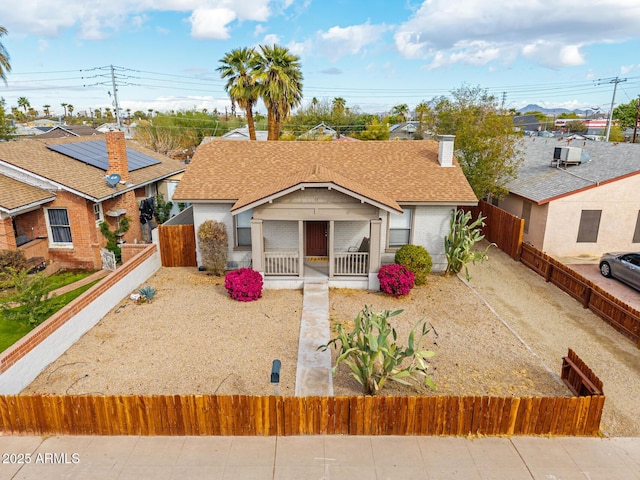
[[147, 293]]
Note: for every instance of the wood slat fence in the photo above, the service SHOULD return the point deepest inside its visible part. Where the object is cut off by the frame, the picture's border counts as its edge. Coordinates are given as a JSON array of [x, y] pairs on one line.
[[501, 228], [177, 245], [579, 377], [284, 416], [612, 310]]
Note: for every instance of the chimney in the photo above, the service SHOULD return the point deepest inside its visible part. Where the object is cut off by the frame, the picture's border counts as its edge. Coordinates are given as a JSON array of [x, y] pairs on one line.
[[445, 152], [117, 155]]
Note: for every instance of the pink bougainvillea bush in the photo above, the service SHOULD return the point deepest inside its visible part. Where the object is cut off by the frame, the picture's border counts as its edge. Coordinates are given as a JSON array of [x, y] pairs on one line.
[[244, 284], [396, 280]]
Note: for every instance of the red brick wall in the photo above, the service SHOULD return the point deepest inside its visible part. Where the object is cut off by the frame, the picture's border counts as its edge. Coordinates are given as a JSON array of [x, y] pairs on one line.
[[32, 224], [117, 154], [7, 237], [14, 353]]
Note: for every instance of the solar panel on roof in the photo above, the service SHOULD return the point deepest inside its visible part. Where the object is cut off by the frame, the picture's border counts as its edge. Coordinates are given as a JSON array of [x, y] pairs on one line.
[[94, 153]]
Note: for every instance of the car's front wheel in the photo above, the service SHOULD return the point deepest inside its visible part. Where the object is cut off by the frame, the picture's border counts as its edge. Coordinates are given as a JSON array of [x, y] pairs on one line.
[[605, 269]]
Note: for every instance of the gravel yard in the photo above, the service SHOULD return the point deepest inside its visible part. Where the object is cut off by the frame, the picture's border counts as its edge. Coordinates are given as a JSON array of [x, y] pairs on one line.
[[194, 339]]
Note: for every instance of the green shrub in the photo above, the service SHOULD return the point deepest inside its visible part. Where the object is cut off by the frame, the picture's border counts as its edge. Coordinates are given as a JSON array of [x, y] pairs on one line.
[[417, 259], [371, 352], [112, 237], [11, 261], [147, 293], [214, 245], [27, 303]]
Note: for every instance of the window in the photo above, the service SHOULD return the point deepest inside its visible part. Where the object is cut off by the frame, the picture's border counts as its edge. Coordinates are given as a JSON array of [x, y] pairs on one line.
[[59, 227], [636, 233], [243, 229], [526, 215], [589, 226], [400, 228], [97, 213]]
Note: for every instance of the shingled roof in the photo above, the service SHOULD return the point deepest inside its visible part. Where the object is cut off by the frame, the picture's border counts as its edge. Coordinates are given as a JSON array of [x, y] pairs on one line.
[[541, 183], [15, 194], [34, 157], [387, 172]]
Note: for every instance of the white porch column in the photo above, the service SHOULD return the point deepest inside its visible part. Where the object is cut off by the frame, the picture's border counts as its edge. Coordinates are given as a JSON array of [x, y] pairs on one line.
[[375, 255], [331, 245], [257, 245], [301, 248]]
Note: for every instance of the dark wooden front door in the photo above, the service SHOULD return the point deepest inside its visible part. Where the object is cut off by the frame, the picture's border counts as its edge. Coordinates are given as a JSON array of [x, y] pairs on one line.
[[317, 239]]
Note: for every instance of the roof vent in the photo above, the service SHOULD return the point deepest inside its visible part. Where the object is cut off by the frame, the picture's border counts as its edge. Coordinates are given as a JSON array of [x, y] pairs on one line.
[[566, 156]]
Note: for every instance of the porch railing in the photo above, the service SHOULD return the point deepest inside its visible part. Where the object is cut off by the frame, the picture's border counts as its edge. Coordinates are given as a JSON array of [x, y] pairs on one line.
[[281, 263], [351, 263]]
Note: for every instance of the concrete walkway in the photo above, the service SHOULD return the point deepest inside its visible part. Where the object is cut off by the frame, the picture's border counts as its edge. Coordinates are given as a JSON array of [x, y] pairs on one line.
[[319, 457], [313, 372]]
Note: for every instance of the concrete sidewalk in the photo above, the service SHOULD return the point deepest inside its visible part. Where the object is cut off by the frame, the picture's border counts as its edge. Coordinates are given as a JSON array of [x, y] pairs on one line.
[[319, 457]]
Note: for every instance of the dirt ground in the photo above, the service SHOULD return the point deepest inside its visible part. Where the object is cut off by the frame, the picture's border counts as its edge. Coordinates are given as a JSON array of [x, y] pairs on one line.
[[504, 334]]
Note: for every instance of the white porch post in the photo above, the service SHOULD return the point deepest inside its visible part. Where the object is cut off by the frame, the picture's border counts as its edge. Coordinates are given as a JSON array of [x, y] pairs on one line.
[[301, 248], [331, 244], [257, 245], [375, 256]]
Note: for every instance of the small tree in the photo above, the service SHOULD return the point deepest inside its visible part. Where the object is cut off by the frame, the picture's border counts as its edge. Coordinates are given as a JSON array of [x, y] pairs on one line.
[[458, 245], [214, 244], [374, 357], [112, 236], [28, 302]]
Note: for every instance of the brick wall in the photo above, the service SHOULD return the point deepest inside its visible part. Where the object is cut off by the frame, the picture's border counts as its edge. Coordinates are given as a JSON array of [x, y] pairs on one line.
[[130, 250], [7, 237], [25, 345], [117, 155], [349, 234]]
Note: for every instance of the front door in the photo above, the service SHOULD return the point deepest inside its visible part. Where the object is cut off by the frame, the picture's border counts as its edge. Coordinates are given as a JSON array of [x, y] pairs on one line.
[[317, 239]]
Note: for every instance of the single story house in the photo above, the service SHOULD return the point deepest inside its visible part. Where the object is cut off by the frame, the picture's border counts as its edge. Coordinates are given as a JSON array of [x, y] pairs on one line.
[[55, 192], [578, 198], [334, 209]]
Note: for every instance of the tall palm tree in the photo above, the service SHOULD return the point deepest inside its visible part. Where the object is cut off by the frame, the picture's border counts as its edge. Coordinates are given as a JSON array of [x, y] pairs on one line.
[[5, 64], [338, 104], [64, 105], [279, 77], [46, 109], [70, 108], [23, 102], [241, 86], [401, 111]]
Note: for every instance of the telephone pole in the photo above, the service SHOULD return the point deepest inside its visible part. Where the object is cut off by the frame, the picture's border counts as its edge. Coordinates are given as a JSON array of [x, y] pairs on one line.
[[615, 82], [115, 98]]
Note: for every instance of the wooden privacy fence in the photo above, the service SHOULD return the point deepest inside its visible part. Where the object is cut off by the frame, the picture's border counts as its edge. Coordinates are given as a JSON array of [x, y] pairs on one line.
[[177, 245], [501, 228], [579, 377], [618, 314], [283, 416]]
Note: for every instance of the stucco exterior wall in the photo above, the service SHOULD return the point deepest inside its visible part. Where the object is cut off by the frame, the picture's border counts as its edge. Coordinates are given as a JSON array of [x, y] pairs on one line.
[[620, 204], [350, 234], [534, 233], [280, 235], [220, 212]]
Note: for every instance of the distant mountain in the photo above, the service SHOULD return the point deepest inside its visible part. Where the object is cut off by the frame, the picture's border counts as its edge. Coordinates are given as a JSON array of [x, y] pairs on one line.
[[532, 107]]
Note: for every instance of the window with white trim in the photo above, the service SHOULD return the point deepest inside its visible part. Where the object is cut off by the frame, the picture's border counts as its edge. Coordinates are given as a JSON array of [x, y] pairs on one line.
[[243, 228], [98, 214], [400, 228], [59, 226]]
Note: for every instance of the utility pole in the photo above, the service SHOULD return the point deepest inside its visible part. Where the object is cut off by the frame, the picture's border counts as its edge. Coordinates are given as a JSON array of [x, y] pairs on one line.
[[635, 125], [615, 82], [115, 98]]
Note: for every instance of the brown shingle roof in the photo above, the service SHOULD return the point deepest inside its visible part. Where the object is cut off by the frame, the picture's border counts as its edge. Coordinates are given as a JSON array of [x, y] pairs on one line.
[[402, 171], [15, 194], [316, 174], [33, 156]]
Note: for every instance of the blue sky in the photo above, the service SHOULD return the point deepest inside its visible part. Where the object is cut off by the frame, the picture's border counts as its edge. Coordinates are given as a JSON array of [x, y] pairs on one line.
[[373, 53]]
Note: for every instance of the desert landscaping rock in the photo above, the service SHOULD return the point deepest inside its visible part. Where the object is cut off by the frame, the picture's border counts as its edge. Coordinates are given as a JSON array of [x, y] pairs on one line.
[[194, 339]]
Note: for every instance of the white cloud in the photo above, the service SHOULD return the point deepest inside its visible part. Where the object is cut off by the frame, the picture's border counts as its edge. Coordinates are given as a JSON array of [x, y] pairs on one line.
[[259, 30], [100, 18], [299, 48], [271, 39], [211, 23], [624, 69], [339, 41], [479, 32]]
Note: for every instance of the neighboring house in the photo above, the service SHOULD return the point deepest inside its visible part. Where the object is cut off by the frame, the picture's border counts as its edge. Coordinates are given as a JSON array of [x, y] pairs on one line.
[[297, 209], [129, 130], [408, 131], [578, 198], [64, 131], [241, 133], [51, 203], [526, 123], [320, 132]]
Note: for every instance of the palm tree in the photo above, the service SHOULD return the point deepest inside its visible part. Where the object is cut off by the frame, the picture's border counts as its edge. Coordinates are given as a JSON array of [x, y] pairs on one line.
[[64, 105], [279, 78], [5, 64], [70, 108], [401, 111], [23, 103], [241, 86], [338, 104], [46, 109]]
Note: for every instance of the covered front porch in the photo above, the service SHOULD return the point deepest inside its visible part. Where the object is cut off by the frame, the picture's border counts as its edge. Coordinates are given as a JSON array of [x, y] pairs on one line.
[[341, 252]]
